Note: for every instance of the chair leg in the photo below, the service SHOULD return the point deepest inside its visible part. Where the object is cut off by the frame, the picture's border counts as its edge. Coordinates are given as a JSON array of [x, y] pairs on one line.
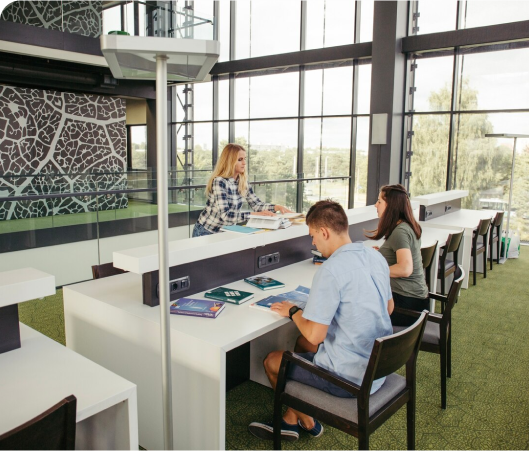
[[363, 439], [443, 283], [485, 263], [410, 418], [443, 377], [278, 414], [449, 356], [498, 249], [474, 263], [491, 247]]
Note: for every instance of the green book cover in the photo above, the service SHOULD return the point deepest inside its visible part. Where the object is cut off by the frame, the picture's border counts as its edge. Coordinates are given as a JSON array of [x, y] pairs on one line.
[[229, 295], [264, 282]]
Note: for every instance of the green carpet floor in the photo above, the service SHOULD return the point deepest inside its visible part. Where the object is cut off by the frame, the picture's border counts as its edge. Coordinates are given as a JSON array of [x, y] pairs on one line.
[[488, 394]]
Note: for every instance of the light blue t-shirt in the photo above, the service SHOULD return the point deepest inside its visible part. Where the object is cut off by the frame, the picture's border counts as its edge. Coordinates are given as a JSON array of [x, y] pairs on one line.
[[350, 294]]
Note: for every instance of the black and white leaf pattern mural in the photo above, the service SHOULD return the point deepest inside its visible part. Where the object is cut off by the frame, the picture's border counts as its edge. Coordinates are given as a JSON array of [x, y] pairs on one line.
[[56, 142], [79, 17]]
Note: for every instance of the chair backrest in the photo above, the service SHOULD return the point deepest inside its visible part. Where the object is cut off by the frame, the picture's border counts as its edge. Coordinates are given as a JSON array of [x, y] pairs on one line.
[[453, 294], [105, 270], [483, 227], [394, 351], [53, 429], [453, 242], [427, 254], [496, 222]]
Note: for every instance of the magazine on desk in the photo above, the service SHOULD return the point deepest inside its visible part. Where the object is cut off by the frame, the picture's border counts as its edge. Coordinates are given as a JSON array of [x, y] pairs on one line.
[[268, 222], [240, 229], [298, 297], [197, 307], [229, 295]]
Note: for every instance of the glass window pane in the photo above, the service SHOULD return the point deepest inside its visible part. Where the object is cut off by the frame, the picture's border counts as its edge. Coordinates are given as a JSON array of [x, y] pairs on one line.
[[364, 89], [242, 132], [366, 21], [339, 22], [224, 133], [274, 95], [111, 19], [437, 16], [255, 22], [224, 31], [337, 89], [138, 138], [482, 13], [180, 101], [483, 165], [242, 97], [273, 149], [327, 144], [278, 193], [224, 99], [362, 152], [315, 23], [430, 153], [203, 11], [433, 80], [202, 101], [203, 139], [313, 92], [495, 80]]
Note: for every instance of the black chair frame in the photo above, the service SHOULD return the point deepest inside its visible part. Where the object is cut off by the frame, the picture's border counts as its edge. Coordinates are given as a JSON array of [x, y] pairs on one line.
[[388, 355], [494, 237], [427, 254], [453, 244], [482, 230]]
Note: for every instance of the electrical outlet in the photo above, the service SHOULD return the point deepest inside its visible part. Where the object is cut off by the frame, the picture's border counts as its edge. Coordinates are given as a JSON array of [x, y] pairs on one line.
[[268, 259], [175, 286]]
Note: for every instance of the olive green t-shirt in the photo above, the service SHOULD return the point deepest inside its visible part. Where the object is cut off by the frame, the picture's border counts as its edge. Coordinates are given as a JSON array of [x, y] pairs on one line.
[[403, 237]]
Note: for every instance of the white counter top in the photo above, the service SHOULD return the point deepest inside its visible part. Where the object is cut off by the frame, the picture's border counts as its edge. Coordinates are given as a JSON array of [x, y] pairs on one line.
[[145, 259], [437, 198], [21, 285]]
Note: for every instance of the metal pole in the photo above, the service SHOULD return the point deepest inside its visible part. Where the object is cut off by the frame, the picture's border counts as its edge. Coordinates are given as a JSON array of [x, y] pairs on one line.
[[510, 200], [163, 247]]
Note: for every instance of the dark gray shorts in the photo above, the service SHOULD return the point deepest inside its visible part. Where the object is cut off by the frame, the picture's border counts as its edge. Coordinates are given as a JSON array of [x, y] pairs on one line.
[[298, 374]]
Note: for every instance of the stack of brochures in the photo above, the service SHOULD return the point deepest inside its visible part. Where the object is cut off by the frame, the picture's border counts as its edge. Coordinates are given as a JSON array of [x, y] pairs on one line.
[[298, 297], [264, 282], [240, 229], [280, 221]]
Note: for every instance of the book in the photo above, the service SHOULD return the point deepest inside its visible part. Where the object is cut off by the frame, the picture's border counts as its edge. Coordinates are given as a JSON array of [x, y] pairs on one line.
[[240, 229], [264, 283], [291, 215], [264, 222], [197, 307], [318, 260], [298, 297], [316, 252], [229, 295]]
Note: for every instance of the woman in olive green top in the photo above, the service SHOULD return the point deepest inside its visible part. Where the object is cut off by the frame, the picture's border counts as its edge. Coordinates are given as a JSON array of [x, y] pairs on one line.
[[402, 250]]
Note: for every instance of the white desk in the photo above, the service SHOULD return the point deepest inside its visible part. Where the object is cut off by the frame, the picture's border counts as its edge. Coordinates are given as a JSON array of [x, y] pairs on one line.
[[107, 322], [42, 372], [429, 236], [462, 219]]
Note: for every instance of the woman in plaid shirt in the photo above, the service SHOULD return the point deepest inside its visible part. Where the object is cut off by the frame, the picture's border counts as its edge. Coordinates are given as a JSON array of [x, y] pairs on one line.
[[226, 188]]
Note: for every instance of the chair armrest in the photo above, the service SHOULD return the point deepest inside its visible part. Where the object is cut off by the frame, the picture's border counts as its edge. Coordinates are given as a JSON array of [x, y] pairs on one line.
[[289, 357], [438, 297], [435, 318], [407, 312]]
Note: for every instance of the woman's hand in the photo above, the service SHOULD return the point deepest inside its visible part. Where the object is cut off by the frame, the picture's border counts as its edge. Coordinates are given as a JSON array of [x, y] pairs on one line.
[[262, 213], [282, 209]]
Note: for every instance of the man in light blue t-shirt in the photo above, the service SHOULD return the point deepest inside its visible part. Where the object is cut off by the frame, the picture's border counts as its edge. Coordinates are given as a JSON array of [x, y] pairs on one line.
[[348, 308]]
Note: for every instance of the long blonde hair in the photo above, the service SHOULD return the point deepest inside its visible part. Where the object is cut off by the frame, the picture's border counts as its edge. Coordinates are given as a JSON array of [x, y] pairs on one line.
[[225, 166]]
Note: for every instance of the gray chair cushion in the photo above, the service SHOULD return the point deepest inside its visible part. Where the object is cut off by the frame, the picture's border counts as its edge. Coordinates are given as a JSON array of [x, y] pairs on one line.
[[432, 332], [347, 408]]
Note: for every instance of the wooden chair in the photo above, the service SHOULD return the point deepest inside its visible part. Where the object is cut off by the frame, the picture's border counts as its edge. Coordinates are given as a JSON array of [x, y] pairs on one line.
[[427, 254], [480, 247], [494, 237], [362, 415], [438, 333], [447, 267], [53, 429], [105, 270]]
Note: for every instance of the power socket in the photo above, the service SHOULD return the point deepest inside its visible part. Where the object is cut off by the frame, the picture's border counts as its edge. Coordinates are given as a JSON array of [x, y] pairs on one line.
[[267, 260], [175, 286]]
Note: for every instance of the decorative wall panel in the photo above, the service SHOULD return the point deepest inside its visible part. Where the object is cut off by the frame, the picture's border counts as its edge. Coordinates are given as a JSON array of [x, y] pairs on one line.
[[79, 17], [54, 142]]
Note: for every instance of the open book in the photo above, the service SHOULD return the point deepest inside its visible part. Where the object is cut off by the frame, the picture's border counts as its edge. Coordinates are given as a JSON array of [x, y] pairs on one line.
[[298, 297]]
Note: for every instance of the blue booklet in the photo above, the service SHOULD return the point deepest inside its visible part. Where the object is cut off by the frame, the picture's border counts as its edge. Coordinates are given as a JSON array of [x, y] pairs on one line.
[[240, 229], [298, 297], [197, 307]]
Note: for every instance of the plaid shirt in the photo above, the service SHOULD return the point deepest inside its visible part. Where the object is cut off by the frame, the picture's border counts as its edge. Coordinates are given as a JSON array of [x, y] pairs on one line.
[[224, 205]]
